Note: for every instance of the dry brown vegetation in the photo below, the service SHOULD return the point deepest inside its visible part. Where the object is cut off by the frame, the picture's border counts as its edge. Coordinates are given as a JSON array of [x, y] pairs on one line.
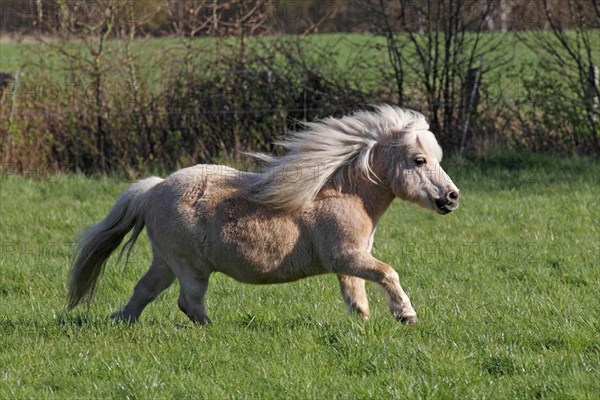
[[100, 92]]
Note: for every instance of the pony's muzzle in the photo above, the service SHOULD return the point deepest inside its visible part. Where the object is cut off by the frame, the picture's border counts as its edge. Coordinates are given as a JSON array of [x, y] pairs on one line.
[[448, 202]]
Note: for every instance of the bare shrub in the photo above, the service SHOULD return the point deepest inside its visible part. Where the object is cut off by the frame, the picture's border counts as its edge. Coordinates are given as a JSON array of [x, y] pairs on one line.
[[436, 44], [564, 114], [111, 99]]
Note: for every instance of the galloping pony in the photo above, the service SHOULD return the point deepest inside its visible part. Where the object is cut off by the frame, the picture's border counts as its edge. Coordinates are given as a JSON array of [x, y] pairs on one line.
[[311, 211]]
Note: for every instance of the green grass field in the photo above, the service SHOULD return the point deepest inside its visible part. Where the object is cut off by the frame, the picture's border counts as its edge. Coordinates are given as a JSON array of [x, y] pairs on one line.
[[364, 55], [506, 289]]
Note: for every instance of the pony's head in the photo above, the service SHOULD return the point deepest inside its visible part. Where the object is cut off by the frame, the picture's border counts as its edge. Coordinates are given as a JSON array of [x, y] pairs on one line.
[[389, 146], [409, 161]]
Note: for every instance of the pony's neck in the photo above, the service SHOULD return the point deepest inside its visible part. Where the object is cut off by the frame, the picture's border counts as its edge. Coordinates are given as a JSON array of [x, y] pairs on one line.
[[375, 198]]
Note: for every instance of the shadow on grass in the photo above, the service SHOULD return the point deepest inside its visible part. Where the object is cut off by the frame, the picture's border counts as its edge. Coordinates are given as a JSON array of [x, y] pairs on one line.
[[65, 320], [44, 326]]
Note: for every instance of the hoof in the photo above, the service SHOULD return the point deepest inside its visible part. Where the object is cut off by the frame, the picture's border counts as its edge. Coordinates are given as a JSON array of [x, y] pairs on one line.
[[202, 320], [364, 317], [408, 319], [361, 315], [118, 316]]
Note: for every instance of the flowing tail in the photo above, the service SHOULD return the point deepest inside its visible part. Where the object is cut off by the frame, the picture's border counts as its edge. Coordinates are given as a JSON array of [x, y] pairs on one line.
[[99, 241]]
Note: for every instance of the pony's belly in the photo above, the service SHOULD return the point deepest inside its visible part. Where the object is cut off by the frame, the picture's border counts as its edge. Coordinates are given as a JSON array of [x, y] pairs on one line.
[[257, 245], [248, 272]]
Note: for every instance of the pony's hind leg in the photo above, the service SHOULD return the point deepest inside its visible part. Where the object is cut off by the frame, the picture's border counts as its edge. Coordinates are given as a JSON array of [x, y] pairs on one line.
[[191, 298], [158, 277], [355, 295]]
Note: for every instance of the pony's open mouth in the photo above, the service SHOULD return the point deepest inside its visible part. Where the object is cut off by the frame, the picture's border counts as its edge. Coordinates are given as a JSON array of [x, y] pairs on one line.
[[443, 210], [443, 207]]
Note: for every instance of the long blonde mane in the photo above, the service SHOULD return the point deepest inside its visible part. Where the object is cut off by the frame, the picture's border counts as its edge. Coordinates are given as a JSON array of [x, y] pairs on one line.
[[332, 150]]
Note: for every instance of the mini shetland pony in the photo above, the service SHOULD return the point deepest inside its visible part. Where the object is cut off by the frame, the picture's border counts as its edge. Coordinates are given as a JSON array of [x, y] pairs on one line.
[[311, 211]]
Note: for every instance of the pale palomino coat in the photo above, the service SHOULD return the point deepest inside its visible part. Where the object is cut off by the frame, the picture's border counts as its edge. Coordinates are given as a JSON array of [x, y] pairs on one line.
[[311, 211]]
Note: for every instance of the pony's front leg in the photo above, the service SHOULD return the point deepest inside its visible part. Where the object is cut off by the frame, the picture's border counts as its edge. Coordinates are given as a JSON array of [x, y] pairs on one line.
[[355, 295], [363, 265]]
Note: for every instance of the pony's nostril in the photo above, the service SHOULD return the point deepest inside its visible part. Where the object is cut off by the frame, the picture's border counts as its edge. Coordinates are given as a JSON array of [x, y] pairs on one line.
[[453, 196]]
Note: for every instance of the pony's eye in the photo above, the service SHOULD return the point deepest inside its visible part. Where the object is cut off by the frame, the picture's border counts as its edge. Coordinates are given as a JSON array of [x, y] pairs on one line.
[[420, 161]]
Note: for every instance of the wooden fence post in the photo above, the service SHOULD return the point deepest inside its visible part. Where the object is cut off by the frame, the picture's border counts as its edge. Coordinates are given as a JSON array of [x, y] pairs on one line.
[[14, 99], [593, 107], [593, 89], [473, 81]]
